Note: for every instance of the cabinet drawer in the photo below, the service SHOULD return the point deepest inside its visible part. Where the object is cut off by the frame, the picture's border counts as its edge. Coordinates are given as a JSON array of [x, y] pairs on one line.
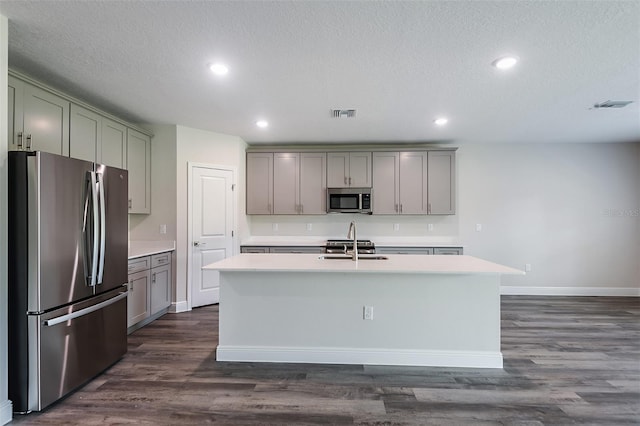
[[448, 250], [161, 259], [139, 264], [404, 250]]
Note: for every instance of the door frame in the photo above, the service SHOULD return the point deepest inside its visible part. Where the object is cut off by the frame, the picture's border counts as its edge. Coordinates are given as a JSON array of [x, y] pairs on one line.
[[234, 249]]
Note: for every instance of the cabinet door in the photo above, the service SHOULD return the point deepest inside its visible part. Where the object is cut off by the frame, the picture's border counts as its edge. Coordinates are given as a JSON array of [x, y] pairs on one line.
[[313, 183], [338, 170], [160, 288], [386, 179], [46, 121], [413, 173], [139, 167], [14, 123], [441, 182], [286, 183], [259, 183], [113, 149], [84, 133], [404, 250], [138, 298], [448, 250], [360, 169]]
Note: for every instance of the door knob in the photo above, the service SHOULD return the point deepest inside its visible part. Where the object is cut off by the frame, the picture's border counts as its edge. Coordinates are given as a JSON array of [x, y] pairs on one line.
[[198, 244]]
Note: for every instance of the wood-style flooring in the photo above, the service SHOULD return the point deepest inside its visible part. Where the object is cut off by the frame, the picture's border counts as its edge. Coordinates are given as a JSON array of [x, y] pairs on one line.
[[567, 360]]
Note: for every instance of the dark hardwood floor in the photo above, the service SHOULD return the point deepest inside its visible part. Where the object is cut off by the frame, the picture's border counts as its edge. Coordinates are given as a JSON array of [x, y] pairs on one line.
[[567, 360]]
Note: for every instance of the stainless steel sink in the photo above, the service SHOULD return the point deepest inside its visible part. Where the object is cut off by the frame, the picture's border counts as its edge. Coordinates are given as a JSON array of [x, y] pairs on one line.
[[348, 257]]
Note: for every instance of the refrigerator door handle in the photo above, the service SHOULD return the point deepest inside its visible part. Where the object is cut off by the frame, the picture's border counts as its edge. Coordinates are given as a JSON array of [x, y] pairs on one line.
[[85, 311], [96, 230], [102, 227]]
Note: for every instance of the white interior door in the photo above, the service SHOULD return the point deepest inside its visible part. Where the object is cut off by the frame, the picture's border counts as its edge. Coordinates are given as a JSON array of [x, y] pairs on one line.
[[212, 221]]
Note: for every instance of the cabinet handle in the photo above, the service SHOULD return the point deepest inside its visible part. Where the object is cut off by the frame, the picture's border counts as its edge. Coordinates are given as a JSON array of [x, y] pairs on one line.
[[349, 181], [345, 180], [153, 278], [396, 208], [400, 207], [301, 209], [20, 140], [429, 208], [129, 203], [131, 286], [28, 142]]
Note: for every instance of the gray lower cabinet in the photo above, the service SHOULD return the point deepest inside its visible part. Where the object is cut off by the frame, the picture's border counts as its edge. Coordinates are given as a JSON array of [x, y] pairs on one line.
[[297, 249], [448, 250], [404, 250], [149, 297], [282, 249], [254, 249], [419, 250]]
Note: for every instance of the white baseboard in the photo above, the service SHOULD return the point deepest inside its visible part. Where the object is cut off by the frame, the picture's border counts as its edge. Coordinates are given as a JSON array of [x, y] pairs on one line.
[[570, 291], [6, 412], [177, 307], [360, 356]]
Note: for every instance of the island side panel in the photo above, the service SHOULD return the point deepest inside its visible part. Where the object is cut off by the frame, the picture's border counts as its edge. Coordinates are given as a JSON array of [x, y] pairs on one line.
[[418, 319]]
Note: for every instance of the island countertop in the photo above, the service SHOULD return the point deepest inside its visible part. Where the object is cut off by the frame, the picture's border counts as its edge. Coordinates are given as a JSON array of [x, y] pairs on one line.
[[395, 264]]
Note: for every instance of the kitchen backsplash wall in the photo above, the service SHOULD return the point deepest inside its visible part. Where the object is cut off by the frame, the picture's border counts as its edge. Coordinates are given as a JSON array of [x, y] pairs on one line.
[[444, 228]]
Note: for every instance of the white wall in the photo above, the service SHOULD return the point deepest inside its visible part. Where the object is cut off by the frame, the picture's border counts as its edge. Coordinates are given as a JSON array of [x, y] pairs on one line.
[[569, 210], [5, 404], [203, 147]]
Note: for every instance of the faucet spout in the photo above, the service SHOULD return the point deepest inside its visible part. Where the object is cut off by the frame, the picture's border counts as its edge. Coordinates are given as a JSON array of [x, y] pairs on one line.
[[351, 234]]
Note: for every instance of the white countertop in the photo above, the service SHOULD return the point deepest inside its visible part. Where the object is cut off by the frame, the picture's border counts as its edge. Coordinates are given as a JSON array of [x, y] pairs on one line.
[[396, 264], [378, 241], [148, 248]]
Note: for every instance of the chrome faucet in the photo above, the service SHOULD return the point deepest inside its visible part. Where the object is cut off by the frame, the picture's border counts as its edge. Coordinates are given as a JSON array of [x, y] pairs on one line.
[[351, 234]]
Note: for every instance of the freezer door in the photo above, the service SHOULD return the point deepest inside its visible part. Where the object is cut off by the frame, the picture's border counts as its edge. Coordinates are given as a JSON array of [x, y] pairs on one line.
[[58, 188], [113, 258], [74, 345]]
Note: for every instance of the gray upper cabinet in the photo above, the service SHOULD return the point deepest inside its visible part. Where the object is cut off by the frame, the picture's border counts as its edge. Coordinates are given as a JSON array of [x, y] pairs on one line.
[[113, 149], [299, 182], [97, 138], [286, 183], [399, 180], [260, 183], [441, 182], [413, 191], [386, 182], [139, 167], [85, 134], [38, 119], [349, 169], [313, 183]]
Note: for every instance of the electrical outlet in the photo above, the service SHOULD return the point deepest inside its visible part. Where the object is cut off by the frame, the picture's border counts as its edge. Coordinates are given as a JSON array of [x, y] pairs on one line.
[[309, 226], [163, 229], [430, 227], [478, 227], [274, 226], [367, 313], [396, 226], [527, 267]]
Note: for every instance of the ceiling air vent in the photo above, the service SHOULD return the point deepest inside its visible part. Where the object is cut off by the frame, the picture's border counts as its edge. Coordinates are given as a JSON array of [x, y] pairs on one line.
[[343, 113], [612, 104]]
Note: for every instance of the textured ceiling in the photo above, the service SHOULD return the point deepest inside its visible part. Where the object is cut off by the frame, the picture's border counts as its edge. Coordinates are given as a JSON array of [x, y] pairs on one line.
[[400, 64]]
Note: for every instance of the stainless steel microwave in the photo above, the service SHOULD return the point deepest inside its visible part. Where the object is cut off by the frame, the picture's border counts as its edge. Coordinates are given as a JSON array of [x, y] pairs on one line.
[[349, 200]]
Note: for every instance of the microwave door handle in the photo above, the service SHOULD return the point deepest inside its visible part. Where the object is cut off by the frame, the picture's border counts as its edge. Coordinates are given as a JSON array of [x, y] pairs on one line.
[[360, 201], [100, 179]]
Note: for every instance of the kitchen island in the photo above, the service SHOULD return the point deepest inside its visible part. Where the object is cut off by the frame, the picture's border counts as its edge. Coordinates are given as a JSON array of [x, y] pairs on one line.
[[402, 310]]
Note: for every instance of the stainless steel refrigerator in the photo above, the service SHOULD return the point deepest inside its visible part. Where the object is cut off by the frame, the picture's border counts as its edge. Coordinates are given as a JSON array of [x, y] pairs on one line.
[[67, 274]]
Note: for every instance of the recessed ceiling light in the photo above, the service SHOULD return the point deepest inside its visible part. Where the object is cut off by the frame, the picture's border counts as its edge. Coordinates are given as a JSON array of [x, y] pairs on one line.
[[219, 69], [262, 124], [505, 62], [441, 121]]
